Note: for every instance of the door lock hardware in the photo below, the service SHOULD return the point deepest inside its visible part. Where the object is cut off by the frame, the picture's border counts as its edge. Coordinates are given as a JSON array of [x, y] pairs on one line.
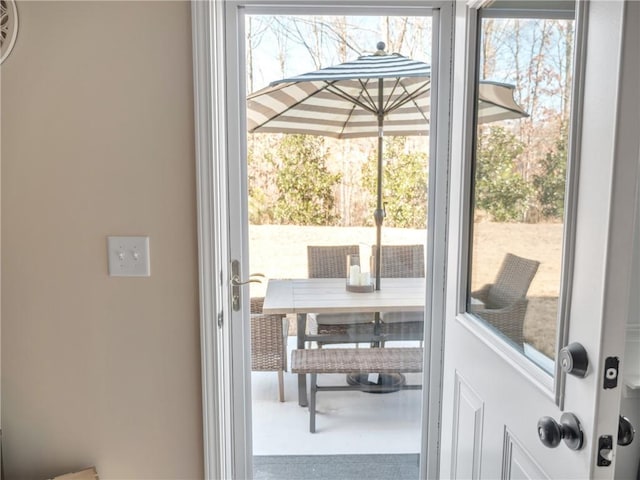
[[626, 432], [237, 283], [569, 430], [611, 372], [574, 360], [605, 450]]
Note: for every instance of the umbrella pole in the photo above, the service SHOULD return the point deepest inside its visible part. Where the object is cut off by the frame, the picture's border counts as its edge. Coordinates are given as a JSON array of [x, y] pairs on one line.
[[391, 380], [379, 213]]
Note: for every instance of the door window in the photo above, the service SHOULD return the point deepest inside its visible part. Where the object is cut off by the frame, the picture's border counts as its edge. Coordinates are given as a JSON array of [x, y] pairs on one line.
[[519, 201]]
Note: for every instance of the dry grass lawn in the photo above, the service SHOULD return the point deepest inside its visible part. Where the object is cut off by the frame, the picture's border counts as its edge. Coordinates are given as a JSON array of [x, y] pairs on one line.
[[279, 251]]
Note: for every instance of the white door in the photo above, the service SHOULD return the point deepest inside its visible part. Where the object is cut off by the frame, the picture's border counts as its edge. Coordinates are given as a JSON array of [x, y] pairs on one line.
[[497, 386]]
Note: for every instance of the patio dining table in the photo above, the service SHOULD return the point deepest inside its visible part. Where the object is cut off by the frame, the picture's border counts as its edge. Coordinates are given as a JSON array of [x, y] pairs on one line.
[[329, 295]]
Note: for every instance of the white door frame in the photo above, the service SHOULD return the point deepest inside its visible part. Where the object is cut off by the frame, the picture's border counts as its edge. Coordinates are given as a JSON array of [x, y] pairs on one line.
[[225, 421], [210, 128]]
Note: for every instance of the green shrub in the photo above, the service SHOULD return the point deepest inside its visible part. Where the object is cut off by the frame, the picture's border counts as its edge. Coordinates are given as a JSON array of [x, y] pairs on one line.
[[499, 189], [405, 181], [306, 188]]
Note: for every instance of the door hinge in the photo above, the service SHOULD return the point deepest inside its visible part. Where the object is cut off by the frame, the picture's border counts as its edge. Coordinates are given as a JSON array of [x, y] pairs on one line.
[[220, 319]]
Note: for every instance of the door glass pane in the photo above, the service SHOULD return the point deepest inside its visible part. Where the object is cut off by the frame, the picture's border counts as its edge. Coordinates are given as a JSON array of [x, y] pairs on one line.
[[519, 176], [312, 171]]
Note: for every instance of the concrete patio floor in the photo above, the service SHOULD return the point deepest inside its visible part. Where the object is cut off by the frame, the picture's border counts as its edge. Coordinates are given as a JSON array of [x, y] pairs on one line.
[[347, 422]]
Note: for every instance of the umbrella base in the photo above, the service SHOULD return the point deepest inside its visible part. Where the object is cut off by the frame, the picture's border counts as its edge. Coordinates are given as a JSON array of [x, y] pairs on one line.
[[392, 382]]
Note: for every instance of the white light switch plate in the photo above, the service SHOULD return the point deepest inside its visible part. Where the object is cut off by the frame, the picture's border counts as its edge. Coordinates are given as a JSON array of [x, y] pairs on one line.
[[128, 256]]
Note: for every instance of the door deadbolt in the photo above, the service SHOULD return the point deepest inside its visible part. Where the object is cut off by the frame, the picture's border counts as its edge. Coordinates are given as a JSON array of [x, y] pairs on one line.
[[569, 430], [574, 360]]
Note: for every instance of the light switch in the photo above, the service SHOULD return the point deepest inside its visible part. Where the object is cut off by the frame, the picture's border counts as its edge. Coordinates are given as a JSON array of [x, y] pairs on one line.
[[128, 256]]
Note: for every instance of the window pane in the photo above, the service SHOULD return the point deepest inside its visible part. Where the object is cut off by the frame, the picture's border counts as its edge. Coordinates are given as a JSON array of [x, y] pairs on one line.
[[311, 203], [519, 182]]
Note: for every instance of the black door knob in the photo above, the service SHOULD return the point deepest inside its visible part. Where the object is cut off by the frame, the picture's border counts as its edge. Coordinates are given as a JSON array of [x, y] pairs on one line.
[[549, 432], [569, 430], [625, 431], [574, 360]]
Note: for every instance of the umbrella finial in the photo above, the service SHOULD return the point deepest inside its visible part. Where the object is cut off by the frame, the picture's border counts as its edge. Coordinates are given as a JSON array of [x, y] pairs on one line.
[[381, 46]]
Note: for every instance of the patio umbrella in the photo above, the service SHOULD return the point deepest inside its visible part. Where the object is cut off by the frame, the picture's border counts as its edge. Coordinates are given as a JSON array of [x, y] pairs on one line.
[[375, 95]]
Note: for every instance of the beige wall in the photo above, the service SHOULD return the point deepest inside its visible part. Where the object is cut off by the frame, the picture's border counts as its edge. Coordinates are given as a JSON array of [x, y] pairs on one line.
[[97, 139]]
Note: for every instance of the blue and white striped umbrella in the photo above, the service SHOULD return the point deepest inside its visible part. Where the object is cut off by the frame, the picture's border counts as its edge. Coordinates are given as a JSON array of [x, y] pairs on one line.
[[343, 101], [375, 95]]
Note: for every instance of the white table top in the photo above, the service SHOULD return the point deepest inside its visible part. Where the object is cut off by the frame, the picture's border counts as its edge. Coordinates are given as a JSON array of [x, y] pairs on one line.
[[329, 295]]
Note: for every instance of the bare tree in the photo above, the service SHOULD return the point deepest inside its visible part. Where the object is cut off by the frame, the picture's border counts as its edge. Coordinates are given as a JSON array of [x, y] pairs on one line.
[[256, 30]]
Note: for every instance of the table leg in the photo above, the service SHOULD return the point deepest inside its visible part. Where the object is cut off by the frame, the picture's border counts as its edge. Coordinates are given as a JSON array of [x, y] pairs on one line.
[[302, 378]]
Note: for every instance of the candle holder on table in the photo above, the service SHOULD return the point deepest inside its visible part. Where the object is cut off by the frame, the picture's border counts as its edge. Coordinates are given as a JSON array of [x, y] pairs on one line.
[[358, 275]]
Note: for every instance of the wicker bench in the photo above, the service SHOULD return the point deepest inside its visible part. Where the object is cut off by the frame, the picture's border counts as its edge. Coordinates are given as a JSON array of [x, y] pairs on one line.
[[353, 360]]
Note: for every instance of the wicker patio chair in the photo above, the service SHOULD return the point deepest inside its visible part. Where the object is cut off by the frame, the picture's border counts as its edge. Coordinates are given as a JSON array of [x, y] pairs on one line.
[[403, 261], [398, 261], [268, 342], [331, 262], [505, 300]]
